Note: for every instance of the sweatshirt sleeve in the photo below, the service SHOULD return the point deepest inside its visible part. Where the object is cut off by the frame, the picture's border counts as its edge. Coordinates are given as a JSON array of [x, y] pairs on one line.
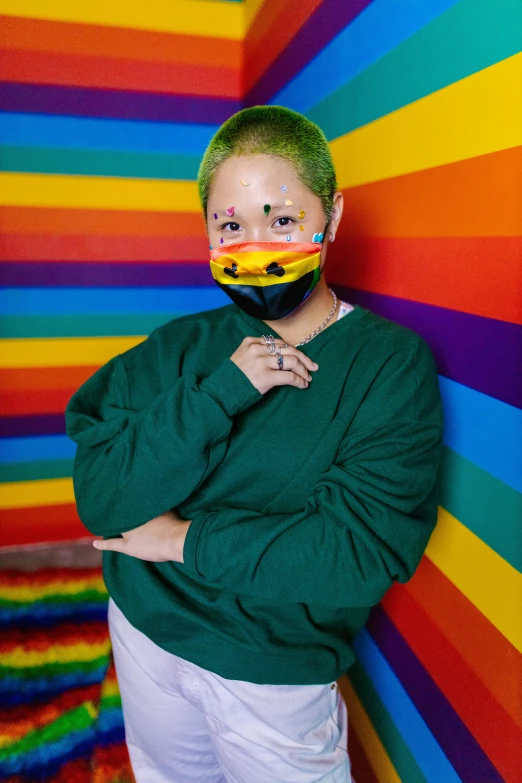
[[366, 523], [131, 466]]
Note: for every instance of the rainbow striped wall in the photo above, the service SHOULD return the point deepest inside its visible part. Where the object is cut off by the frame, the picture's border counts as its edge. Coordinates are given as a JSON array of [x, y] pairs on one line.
[[421, 102], [106, 111]]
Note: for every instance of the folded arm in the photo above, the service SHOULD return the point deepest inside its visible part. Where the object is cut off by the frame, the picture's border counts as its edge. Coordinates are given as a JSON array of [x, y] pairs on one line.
[[131, 466]]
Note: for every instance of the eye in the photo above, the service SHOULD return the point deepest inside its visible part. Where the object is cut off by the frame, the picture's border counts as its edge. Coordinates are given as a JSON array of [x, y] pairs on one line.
[[230, 227], [283, 222]]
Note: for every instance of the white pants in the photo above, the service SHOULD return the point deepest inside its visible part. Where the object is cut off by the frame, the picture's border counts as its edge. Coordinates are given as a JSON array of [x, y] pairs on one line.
[[184, 724]]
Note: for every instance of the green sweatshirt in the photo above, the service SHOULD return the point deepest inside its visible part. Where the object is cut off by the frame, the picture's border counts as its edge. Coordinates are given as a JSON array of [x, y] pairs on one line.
[[306, 504]]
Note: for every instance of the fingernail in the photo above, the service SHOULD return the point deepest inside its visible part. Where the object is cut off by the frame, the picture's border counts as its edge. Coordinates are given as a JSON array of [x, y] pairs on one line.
[[309, 377], [315, 365]]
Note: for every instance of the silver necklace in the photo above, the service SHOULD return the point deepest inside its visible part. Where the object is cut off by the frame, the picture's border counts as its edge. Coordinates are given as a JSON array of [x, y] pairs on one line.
[[325, 322]]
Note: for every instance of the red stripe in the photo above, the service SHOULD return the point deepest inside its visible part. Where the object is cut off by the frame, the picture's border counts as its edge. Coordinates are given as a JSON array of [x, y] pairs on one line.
[[273, 30], [123, 43], [477, 275], [72, 247], [45, 576], [361, 770], [40, 524], [79, 70], [65, 634], [491, 656], [44, 220], [33, 402], [476, 197], [488, 721]]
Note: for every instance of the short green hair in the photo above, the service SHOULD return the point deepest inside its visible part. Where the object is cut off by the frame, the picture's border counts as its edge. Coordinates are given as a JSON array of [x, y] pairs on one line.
[[273, 130]]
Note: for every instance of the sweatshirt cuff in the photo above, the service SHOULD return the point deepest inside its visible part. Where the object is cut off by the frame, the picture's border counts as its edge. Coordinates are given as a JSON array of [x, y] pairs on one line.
[[191, 542], [230, 388]]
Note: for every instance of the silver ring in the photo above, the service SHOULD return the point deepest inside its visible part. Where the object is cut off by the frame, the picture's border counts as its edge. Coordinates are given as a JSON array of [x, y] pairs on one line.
[[269, 342], [278, 351], [280, 361]]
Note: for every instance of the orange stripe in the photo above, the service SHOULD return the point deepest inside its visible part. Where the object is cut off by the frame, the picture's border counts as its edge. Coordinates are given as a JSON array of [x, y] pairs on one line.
[[41, 220], [41, 35], [42, 247], [487, 652], [35, 402], [40, 379], [103, 72], [477, 197], [478, 275], [487, 720], [38, 524], [273, 30]]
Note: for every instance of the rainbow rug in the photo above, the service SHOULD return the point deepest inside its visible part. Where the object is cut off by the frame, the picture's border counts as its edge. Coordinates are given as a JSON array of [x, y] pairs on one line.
[[60, 708]]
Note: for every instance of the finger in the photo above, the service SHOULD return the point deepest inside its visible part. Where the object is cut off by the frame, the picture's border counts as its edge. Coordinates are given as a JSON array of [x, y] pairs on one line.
[[111, 544], [308, 363], [292, 363], [288, 379]]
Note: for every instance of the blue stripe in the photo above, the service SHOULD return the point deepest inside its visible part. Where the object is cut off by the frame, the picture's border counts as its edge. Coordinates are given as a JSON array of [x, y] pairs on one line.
[[382, 26], [41, 130], [36, 449], [422, 744], [484, 430], [75, 301]]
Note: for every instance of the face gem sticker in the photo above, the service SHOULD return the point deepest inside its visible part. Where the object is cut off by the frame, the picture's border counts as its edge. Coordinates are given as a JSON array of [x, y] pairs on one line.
[[266, 208], [317, 237], [230, 211], [289, 238], [210, 246], [283, 189], [246, 184], [301, 228], [221, 241], [289, 203], [301, 214], [215, 215]]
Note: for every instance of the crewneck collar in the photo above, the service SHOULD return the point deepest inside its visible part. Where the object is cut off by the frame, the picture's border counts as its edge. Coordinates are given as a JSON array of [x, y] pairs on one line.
[[256, 327]]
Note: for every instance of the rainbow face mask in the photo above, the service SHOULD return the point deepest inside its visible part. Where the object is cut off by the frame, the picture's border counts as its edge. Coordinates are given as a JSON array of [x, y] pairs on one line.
[[268, 280]]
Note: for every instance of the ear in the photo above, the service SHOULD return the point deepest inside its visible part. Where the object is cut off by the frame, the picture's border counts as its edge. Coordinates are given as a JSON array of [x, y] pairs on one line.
[[337, 212]]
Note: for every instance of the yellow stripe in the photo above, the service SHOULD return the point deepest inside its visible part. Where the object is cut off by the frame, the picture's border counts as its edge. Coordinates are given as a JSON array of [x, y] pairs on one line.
[[26, 593], [50, 190], [63, 351], [19, 658], [293, 271], [485, 578], [189, 17], [373, 748], [43, 492], [252, 8], [474, 116]]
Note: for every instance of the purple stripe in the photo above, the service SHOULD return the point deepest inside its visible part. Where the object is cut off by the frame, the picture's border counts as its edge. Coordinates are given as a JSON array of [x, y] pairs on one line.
[[118, 104], [324, 24], [460, 746], [45, 424], [478, 352], [54, 274]]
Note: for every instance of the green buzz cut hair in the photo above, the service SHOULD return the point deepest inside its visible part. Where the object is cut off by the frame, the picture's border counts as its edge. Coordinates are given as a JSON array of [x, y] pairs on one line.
[[273, 130]]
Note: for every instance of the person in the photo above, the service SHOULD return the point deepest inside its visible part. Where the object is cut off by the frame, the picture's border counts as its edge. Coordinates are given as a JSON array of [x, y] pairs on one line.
[[261, 474]]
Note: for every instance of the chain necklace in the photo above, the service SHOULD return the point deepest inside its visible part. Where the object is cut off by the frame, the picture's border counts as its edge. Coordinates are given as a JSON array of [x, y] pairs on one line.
[[325, 322]]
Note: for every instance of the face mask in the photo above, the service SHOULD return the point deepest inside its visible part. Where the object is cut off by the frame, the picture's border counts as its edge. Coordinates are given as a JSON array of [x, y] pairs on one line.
[[268, 280]]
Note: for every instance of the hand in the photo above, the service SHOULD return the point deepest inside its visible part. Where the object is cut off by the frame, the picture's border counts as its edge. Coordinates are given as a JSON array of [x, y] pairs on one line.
[[261, 368], [159, 540]]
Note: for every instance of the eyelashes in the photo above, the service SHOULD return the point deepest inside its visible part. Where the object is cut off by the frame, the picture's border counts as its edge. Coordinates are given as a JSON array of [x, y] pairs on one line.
[[237, 226]]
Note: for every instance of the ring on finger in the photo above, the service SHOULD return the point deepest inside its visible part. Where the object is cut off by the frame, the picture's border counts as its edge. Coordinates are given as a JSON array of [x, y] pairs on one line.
[[280, 362], [269, 342], [278, 351]]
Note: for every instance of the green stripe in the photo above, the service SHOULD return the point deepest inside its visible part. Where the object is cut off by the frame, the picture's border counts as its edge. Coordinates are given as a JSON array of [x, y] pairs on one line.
[[488, 507], [33, 471], [110, 702], [99, 163], [77, 719], [89, 596], [465, 39], [393, 742], [53, 669], [114, 325]]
